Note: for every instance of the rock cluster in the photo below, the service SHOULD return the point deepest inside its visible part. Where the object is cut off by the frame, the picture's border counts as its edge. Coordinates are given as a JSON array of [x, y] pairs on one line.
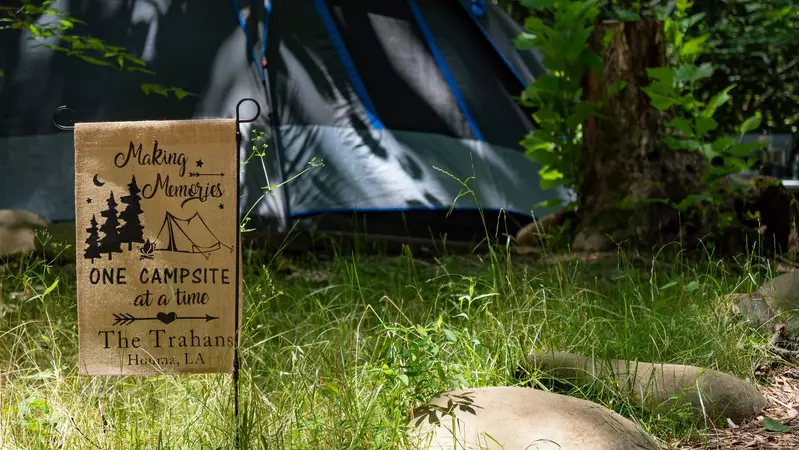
[[709, 394]]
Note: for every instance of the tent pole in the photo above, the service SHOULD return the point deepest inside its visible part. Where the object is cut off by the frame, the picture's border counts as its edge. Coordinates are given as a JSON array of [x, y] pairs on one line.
[[270, 115]]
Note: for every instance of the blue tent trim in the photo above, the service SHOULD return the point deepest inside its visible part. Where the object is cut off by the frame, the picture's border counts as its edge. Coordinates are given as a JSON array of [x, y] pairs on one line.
[[442, 65], [250, 44], [349, 65], [478, 8], [480, 26], [267, 14], [408, 209]]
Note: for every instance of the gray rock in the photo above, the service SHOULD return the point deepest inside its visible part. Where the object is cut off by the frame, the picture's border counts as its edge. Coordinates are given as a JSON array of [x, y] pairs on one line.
[[18, 231], [775, 303], [782, 292], [709, 394], [512, 418]]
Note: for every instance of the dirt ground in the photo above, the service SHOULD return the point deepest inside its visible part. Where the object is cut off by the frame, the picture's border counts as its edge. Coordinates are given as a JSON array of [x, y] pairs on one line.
[[782, 392]]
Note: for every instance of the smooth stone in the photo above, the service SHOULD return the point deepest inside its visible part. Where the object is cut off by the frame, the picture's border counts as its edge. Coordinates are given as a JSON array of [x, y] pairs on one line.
[[782, 292], [774, 303], [660, 386], [755, 310], [18, 231], [518, 418]]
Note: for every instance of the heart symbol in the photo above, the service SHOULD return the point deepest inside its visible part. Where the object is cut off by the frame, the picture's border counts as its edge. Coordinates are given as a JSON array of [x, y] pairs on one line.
[[166, 318]]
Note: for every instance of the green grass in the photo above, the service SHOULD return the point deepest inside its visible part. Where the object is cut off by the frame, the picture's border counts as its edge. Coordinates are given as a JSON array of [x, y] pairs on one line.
[[338, 361]]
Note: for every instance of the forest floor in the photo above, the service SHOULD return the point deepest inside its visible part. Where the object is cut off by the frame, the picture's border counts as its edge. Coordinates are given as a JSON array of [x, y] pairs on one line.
[[782, 393], [338, 350]]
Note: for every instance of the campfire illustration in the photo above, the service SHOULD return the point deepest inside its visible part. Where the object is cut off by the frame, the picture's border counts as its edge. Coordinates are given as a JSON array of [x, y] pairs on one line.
[[146, 250]]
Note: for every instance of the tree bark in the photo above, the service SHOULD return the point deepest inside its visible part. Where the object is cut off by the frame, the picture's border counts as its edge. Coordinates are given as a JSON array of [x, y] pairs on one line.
[[625, 162]]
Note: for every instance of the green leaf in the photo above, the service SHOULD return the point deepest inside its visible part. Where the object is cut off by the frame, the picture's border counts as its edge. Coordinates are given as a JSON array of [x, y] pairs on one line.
[[692, 286], [682, 144], [688, 201], [547, 83], [750, 124], [682, 124], [550, 177], [626, 15], [663, 74], [180, 93], [723, 143], [155, 88], [403, 378], [668, 285], [658, 102], [525, 41], [690, 73], [548, 116], [139, 69], [691, 21], [50, 288], [66, 23], [746, 148], [539, 148], [132, 58], [574, 43], [694, 46], [717, 101], [707, 151], [121, 62], [772, 425], [450, 335], [705, 124], [591, 59], [617, 87], [549, 204], [95, 61], [549, 173], [539, 4], [582, 111]]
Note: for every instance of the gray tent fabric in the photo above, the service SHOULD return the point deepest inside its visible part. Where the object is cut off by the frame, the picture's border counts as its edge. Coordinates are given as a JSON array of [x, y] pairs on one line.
[[391, 95], [399, 170]]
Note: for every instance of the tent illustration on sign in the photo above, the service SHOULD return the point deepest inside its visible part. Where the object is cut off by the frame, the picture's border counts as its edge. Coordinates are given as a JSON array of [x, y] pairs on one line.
[[190, 235]]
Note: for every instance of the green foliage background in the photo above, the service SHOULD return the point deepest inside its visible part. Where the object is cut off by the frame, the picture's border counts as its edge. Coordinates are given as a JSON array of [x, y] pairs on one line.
[[753, 44]]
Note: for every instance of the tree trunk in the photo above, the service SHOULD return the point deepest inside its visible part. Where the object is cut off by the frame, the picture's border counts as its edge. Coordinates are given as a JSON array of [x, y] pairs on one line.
[[625, 162]]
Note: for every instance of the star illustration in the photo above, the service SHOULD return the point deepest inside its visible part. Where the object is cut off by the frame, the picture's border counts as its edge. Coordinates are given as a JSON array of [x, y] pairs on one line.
[[199, 163], [221, 206], [88, 200]]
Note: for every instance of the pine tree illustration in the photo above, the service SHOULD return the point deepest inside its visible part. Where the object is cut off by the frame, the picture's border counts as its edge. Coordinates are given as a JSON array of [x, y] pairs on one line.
[[93, 249], [109, 243], [131, 231]]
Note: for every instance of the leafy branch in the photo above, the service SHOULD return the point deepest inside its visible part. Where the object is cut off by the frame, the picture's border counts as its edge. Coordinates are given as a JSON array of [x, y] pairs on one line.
[[556, 96], [693, 125], [89, 49]]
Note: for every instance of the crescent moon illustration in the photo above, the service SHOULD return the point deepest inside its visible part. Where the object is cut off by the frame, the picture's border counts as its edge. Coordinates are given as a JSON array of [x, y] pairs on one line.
[[97, 181]]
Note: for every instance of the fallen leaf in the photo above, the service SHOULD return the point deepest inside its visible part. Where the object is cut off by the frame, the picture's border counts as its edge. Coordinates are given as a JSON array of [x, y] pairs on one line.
[[772, 425]]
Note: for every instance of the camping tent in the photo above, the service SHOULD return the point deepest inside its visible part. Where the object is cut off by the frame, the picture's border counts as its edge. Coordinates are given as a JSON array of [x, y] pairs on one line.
[[403, 100]]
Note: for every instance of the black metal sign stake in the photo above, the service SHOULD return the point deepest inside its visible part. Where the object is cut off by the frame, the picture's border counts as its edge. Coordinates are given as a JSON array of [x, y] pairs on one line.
[[127, 319], [238, 252]]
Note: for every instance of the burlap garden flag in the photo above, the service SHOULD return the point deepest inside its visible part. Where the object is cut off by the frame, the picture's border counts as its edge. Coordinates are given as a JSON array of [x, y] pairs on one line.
[[156, 228]]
